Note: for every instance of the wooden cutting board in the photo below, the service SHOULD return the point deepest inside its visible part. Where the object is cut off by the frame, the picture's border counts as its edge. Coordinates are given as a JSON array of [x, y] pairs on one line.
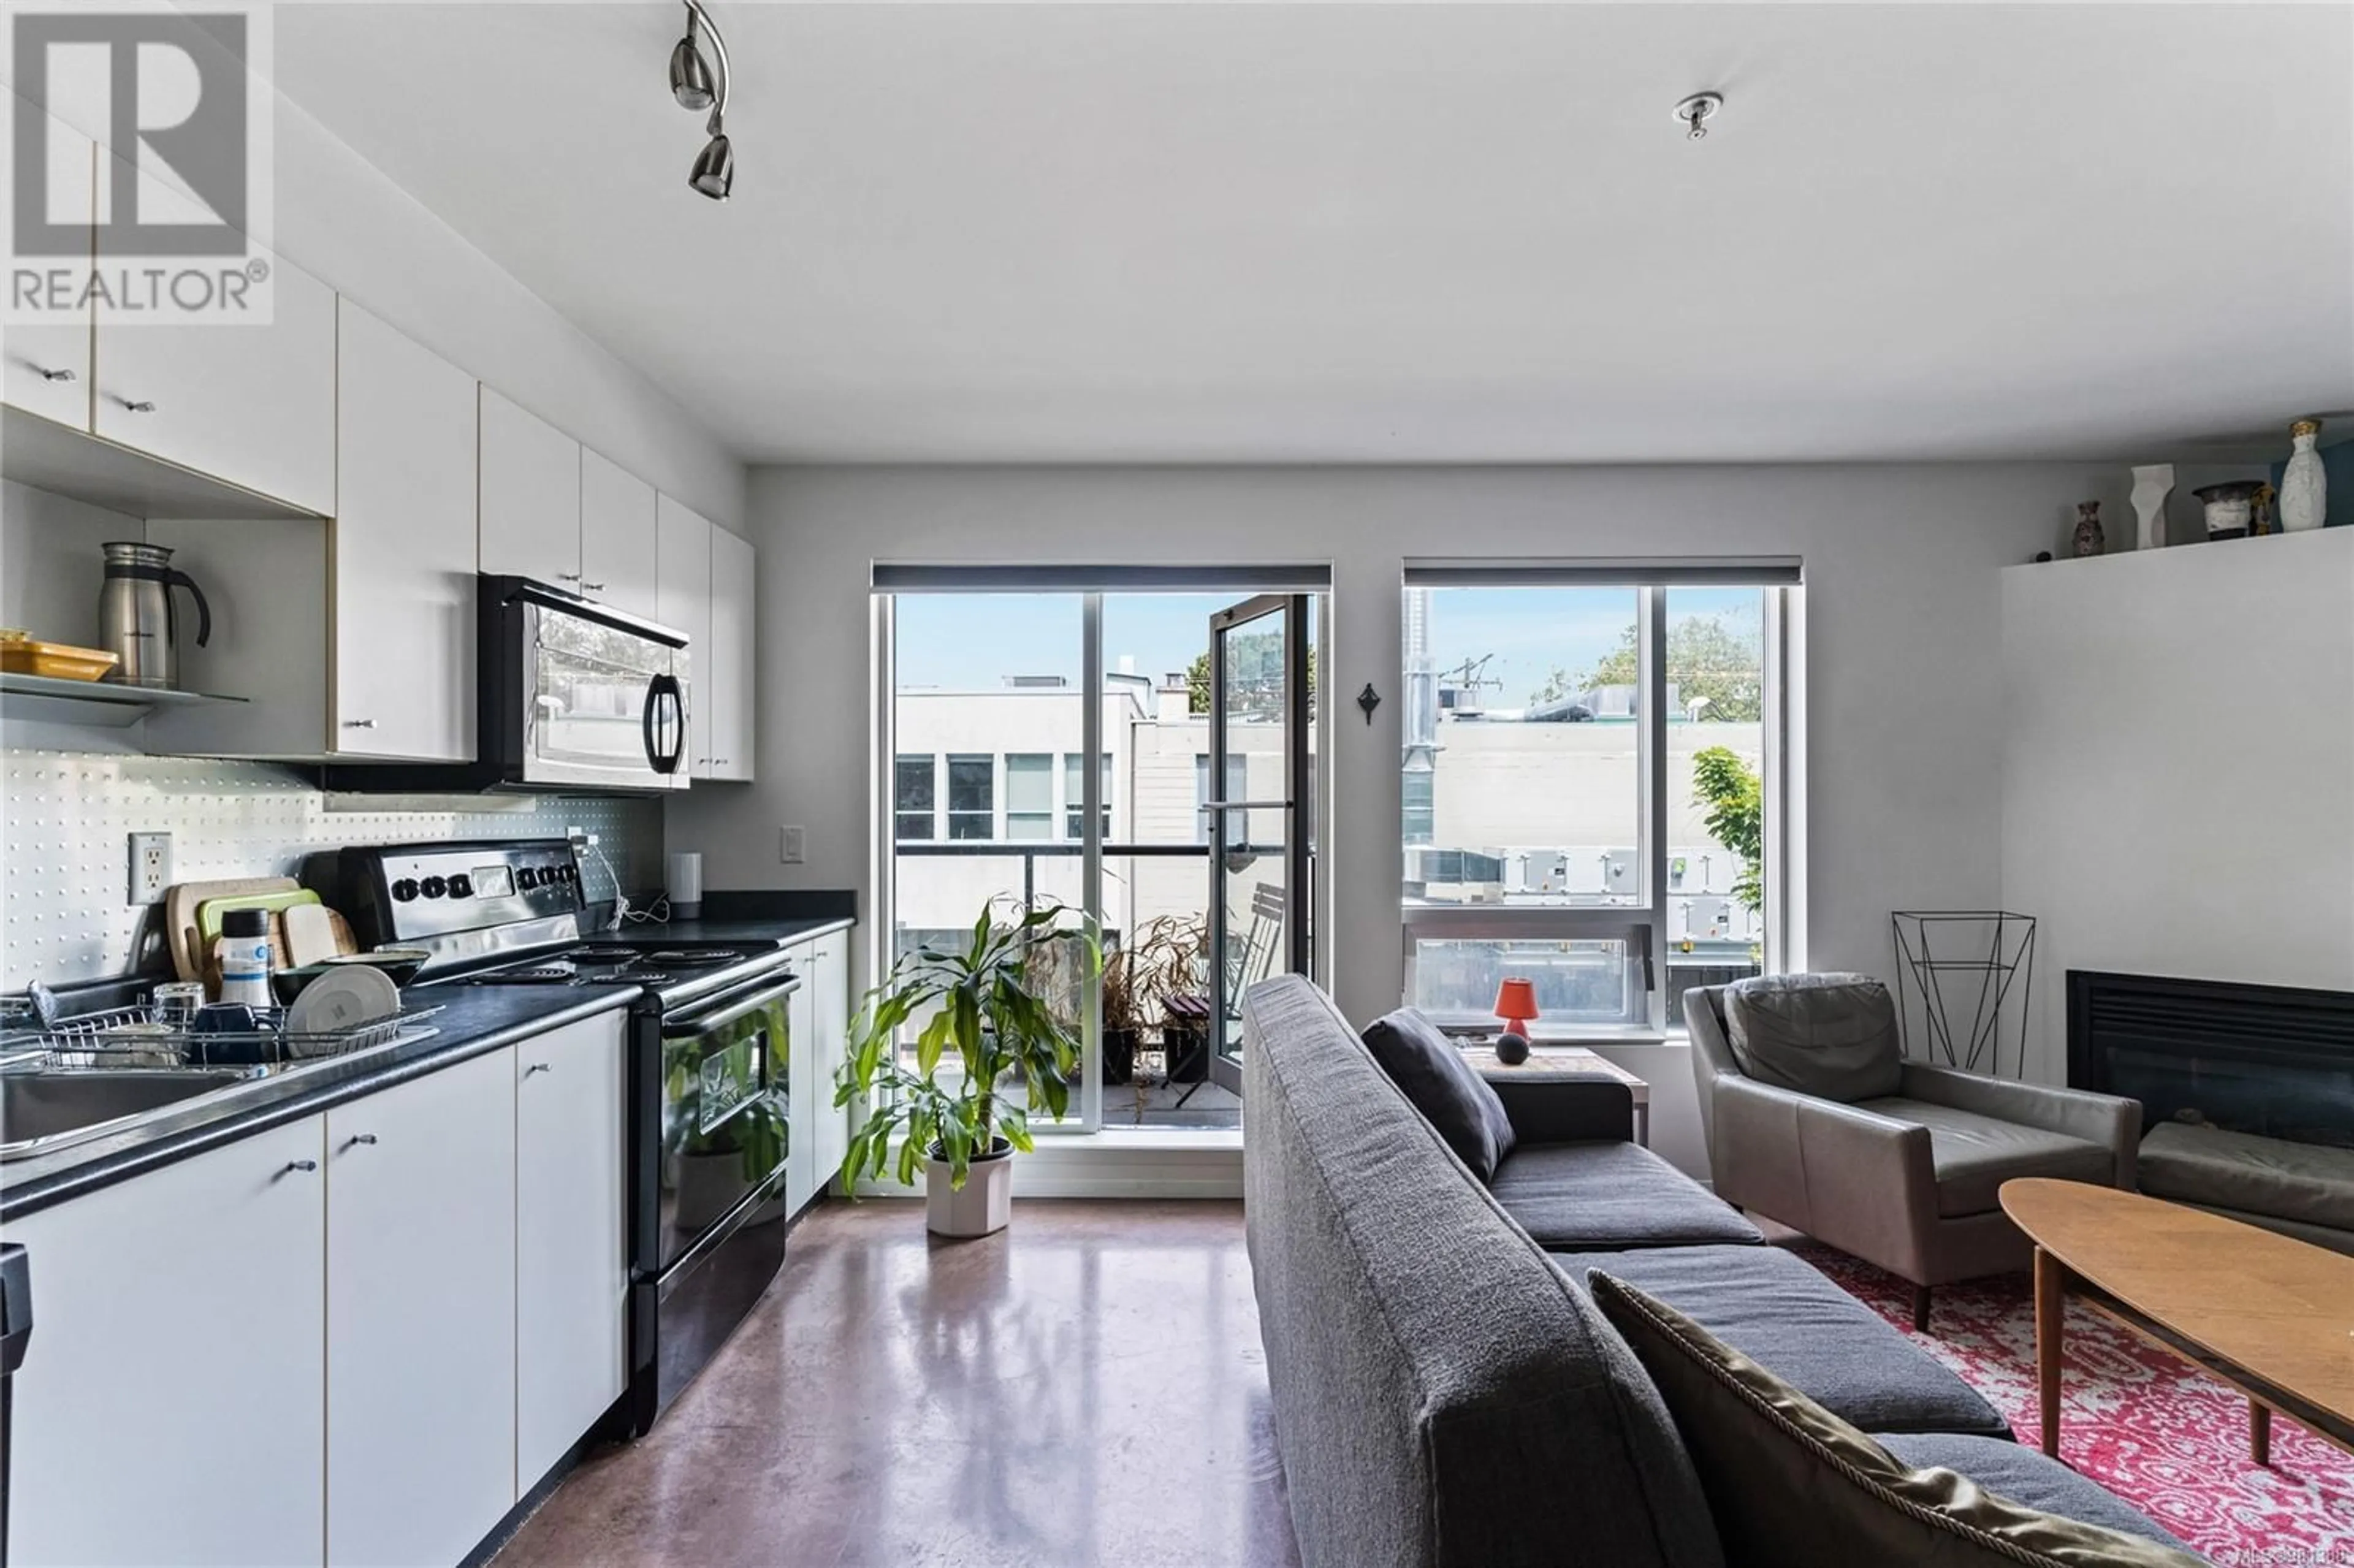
[[180, 903]]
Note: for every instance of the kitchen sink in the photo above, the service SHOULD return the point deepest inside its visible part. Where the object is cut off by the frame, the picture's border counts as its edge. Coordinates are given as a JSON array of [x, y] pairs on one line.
[[46, 1108]]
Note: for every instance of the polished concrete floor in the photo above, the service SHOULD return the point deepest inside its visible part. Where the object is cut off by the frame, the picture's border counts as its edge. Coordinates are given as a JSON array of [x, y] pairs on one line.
[[1084, 1388]]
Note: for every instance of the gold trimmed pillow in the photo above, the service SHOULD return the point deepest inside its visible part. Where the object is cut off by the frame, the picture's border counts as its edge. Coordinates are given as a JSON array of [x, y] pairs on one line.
[[1793, 1485]]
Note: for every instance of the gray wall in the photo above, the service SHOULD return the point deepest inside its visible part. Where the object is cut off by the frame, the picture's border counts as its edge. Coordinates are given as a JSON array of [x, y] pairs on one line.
[[1903, 683], [2179, 765]]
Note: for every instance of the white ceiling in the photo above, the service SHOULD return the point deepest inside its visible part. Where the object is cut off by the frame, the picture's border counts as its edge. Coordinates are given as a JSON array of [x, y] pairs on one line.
[[1421, 233]]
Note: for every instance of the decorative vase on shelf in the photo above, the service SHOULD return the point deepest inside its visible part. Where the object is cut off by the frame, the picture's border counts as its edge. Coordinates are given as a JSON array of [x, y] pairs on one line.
[[2230, 507], [2089, 540], [2304, 487], [2153, 483]]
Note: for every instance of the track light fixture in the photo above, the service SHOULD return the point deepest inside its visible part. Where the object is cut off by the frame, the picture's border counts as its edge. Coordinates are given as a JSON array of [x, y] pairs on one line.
[[698, 82]]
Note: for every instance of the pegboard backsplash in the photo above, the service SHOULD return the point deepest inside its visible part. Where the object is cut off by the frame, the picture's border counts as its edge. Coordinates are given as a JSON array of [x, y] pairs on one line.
[[67, 817]]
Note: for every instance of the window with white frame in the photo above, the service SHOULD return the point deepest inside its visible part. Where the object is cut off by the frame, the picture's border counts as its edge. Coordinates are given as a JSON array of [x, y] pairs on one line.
[[1589, 779], [972, 797], [1074, 791], [1029, 795], [913, 797]]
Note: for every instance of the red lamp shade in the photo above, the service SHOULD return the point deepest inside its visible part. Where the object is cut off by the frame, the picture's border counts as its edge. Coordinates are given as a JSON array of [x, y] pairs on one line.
[[1516, 1004]]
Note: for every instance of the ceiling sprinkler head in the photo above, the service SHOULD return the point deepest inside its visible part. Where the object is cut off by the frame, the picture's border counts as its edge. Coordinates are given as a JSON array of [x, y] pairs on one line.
[[1694, 111]]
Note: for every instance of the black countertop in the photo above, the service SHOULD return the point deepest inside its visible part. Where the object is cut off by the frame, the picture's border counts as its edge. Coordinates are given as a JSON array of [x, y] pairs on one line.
[[472, 1020]]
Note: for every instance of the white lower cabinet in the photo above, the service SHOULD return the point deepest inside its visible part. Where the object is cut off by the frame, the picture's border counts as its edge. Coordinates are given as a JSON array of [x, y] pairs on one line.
[[352, 1339], [571, 1259], [168, 1409], [819, 1016], [829, 980], [420, 1316]]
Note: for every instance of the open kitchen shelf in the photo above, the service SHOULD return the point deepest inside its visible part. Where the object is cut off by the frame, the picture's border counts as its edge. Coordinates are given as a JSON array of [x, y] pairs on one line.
[[89, 701]]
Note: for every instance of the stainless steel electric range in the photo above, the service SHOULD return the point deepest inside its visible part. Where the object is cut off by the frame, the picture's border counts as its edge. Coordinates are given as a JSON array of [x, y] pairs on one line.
[[709, 1113]]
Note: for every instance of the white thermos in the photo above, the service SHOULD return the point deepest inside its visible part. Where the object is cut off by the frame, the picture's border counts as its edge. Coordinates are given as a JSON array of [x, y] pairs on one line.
[[683, 884]]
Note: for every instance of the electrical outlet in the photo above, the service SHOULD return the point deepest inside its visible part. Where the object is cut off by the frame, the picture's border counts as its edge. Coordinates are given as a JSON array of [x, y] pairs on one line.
[[151, 867], [793, 848]]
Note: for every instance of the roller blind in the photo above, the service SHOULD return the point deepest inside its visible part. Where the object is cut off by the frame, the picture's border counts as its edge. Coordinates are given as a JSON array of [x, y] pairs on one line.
[[892, 576], [1686, 571]]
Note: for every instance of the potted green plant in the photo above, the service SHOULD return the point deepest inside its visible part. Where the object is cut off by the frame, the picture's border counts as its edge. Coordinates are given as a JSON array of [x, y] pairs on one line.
[[989, 1048]]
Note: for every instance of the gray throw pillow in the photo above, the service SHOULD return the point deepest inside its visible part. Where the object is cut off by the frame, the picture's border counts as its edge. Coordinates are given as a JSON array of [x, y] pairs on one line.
[[1453, 1099], [1831, 1035], [1792, 1486]]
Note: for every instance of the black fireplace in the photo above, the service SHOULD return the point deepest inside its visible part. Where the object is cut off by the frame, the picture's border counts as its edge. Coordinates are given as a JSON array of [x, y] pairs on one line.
[[2276, 1061]]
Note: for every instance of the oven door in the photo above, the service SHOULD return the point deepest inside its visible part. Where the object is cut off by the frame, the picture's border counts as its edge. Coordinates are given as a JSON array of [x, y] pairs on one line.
[[724, 1113], [604, 694]]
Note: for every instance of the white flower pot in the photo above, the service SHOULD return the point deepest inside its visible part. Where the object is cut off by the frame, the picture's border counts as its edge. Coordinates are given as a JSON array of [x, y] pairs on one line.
[[981, 1206]]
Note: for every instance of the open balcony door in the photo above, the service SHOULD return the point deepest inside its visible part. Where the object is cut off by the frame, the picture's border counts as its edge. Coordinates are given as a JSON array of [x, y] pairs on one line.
[[1261, 710]]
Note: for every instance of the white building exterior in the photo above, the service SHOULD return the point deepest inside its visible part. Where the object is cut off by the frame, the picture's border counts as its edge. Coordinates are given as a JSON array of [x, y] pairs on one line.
[[1556, 805]]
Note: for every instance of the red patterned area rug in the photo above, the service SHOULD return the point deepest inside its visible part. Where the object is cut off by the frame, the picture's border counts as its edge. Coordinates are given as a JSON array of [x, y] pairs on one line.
[[2144, 1423]]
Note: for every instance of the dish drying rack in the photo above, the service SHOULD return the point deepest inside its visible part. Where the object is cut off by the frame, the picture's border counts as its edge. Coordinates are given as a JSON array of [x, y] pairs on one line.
[[131, 1037]]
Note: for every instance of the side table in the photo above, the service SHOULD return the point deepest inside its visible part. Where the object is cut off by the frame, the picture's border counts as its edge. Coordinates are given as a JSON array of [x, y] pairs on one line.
[[1566, 1061]]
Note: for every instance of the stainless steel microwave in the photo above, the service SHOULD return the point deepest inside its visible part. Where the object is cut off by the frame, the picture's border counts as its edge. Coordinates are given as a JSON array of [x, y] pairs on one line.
[[571, 695]]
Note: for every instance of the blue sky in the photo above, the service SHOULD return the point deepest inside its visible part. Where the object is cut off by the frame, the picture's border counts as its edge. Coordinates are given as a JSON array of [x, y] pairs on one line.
[[973, 642]]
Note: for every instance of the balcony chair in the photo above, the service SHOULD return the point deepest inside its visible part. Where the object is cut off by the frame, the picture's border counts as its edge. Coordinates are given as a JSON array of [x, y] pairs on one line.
[[1814, 1119]]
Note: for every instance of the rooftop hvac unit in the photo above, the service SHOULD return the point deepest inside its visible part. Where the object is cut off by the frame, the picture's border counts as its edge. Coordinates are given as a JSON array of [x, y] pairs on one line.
[[1454, 876]]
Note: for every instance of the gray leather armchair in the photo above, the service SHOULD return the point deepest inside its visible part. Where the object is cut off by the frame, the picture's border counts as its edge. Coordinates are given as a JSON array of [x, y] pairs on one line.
[[1907, 1180]]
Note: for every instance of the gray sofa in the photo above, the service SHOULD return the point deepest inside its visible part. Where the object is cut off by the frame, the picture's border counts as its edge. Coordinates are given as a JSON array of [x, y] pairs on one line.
[[1445, 1392], [1905, 1176]]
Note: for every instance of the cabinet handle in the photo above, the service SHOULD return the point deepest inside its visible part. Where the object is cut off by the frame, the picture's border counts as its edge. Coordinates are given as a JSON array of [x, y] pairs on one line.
[[359, 724], [567, 577], [536, 1067], [360, 1137], [136, 406], [48, 375], [594, 588], [294, 1165]]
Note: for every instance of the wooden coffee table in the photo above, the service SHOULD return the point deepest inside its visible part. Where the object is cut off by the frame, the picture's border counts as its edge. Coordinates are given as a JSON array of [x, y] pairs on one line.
[[2271, 1316]]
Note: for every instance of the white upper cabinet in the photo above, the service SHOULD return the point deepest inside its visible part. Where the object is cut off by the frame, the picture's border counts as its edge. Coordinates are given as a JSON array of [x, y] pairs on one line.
[[572, 1270], [47, 368], [421, 1315], [531, 496], [251, 403], [729, 673], [404, 553], [618, 554], [683, 596], [170, 1407]]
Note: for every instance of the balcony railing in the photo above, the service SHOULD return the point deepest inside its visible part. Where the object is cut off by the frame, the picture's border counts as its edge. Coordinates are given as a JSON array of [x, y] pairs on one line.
[[1032, 851]]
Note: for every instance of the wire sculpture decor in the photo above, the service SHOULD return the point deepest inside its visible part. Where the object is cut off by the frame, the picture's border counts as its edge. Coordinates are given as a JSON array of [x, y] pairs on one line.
[[1972, 972]]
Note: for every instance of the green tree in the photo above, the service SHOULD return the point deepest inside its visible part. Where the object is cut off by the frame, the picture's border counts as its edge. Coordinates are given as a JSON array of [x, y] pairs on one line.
[[1197, 674], [1735, 798], [1705, 659]]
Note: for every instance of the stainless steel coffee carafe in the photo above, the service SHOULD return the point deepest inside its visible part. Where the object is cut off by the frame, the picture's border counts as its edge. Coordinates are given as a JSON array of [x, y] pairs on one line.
[[137, 622]]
